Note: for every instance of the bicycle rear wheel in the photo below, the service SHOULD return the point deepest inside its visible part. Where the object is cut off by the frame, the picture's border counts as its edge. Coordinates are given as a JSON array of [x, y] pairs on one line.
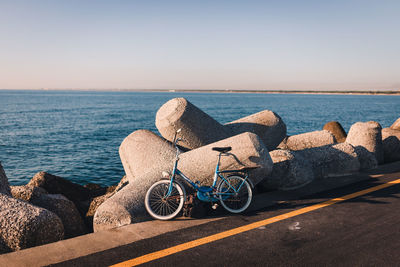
[[235, 194], [161, 207]]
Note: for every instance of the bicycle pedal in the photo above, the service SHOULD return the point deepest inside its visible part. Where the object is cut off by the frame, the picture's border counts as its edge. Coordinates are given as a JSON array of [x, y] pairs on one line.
[[215, 206]]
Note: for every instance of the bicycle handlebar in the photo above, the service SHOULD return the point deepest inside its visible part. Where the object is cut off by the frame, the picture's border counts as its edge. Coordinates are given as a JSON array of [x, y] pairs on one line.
[[176, 140]]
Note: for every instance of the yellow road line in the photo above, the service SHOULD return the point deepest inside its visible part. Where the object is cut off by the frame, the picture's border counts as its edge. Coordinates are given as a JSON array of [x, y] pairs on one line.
[[208, 239]]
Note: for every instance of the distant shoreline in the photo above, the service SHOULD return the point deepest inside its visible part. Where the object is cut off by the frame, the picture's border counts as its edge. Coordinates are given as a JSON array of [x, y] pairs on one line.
[[320, 92], [281, 92]]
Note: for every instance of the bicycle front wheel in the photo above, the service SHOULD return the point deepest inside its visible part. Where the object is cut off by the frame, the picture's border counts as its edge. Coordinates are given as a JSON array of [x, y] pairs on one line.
[[161, 207], [235, 194]]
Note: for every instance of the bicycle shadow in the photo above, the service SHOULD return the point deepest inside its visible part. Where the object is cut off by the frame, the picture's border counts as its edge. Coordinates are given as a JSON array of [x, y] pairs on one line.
[[307, 196]]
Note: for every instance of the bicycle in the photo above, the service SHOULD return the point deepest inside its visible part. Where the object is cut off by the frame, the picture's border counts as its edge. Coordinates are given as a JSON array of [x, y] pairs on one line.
[[165, 198]]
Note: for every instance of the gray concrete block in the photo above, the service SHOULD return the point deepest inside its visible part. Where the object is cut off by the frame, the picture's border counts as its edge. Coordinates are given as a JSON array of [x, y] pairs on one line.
[[367, 160], [247, 151], [308, 140], [144, 156], [369, 136], [97, 201], [332, 160], [391, 144], [266, 124], [143, 151], [198, 128], [336, 129], [290, 171], [123, 208]]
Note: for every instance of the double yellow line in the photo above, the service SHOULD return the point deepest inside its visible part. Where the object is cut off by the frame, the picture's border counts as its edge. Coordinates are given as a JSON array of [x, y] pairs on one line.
[[208, 239]]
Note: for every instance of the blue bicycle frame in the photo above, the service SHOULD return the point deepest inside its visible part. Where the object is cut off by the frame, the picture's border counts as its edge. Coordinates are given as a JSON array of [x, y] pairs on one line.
[[204, 191]]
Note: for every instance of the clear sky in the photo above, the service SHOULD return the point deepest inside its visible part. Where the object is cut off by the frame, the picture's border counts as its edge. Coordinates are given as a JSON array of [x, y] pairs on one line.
[[167, 44]]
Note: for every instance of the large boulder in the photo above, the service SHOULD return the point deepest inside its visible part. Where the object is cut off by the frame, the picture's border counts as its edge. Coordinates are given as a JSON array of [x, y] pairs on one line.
[[198, 128], [308, 140], [266, 124], [290, 171], [367, 135], [396, 125], [24, 225], [57, 185], [332, 160], [65, 210], [4, 186], [337, 130], [127, 205], [27, 192], [391, 144]]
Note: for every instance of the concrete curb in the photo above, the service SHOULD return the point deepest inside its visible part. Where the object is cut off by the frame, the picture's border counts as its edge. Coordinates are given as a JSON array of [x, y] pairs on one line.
[[100, 241], [95, 242]]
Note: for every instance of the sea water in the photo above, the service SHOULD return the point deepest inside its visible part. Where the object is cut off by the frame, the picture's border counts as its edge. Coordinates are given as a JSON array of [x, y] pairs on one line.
[[76, 134]]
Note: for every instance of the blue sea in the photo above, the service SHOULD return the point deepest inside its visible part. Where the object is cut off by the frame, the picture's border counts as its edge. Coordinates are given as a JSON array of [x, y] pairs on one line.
[[76, 134]]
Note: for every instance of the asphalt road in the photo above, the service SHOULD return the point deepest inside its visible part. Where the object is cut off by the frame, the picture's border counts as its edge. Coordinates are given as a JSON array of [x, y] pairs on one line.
[[363, 231]]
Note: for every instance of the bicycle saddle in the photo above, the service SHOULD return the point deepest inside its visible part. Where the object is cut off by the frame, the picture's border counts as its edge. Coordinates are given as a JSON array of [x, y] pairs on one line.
[[222, 149]]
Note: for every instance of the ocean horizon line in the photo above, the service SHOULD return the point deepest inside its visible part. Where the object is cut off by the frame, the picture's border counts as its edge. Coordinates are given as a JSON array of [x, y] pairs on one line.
[[260, 91]]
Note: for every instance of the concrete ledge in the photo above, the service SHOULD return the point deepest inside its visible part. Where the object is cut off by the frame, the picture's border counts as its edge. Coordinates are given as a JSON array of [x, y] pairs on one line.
[[96, 242]]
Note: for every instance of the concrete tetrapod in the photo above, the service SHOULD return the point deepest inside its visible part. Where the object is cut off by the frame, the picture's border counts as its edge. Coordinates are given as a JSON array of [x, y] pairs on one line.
[[248, 150], [23, 225], [144, 156], [199, 129], [369, 136], [144, 151], [290, 171], [308, 140], [367, 160], [332, 160], [127, 205], [266, 124], [391, 144], [337, 130]]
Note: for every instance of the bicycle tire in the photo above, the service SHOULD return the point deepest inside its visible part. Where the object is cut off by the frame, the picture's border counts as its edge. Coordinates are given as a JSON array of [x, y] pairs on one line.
[[239, 201], [164, 209]]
